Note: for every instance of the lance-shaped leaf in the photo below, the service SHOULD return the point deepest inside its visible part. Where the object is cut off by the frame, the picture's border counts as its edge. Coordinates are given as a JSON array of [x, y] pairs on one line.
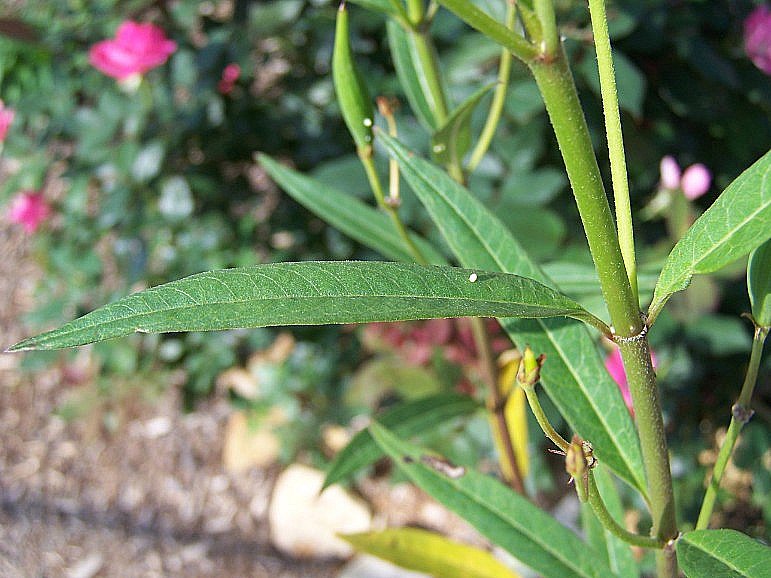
[[722, 554], [574, 375], [428, 552], [503, 516], [759, 284], [411, 75], [348, 214], [406, 420], [451, 140], [352, 93], [311, 293], [737, 222]]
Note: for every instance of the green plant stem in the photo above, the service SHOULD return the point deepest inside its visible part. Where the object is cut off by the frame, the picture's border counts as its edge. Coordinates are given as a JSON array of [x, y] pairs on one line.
[[610, 523], [499, 99], [497, 404], [559, 94], [550, 43], [431, 79], [415, 11], [377, 189], [641, 377], [543, 421], [479, 20], [741, 415], [615, 139]]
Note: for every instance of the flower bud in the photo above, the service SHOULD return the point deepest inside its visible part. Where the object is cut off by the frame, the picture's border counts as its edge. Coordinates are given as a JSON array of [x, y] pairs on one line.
[[696, 181], [352, 94], [670, 173], [530, 368]]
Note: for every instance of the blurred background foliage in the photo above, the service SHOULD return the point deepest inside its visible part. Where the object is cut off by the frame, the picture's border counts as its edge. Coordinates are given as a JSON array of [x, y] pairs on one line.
[[151, 185]]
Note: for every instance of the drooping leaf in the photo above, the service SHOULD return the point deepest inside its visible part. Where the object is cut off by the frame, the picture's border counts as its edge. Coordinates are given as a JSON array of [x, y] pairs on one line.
[[574, 375], [310, 293], [451, 140], [759, 284], [411, 75], [615, 552], [428, 552], [515, 411], [722, 554], [498, 513], [352, 94], [736, 223], [406, 420], [349, 215]]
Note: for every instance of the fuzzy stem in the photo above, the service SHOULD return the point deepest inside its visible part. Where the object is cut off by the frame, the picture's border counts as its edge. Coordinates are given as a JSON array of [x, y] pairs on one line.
[[543, 421], [499, 99], [741, 415], [550, 43], [615, 139], [610, 523]]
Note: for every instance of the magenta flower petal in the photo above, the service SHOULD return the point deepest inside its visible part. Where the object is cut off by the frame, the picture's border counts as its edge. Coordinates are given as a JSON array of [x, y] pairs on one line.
[[28, 209], [670, 173], [757, 38], [136, 49], [6, 118], [696, 181]]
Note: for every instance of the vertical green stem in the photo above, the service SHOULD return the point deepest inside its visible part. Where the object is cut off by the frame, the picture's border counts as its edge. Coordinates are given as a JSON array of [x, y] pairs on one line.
[[431, 77], [544, 10], [741, 414], [499, 99], [559, 93], [615, 139], [562, 104]]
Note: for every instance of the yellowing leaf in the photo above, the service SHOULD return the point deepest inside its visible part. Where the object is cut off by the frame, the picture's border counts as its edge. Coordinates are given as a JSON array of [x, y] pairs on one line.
[[430, 553], [516, 420]]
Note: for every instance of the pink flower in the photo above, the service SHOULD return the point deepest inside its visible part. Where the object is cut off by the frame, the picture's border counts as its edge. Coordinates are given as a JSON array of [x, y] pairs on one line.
[[229, 76], [6, 118], [670, 173], [28, 209], [136, 49], [696, 181], [757, 38], [615, 366]]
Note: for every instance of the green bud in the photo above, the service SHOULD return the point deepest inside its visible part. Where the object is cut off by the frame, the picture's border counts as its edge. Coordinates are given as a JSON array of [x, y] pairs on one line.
[[576, 465], [352, 94], [530, 368]]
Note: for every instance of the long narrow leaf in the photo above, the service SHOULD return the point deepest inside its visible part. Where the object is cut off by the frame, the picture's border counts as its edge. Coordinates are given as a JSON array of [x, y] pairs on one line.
[[349, 215], [310, 293], [428, 552], [406, 420], [737, 222], [722, 554], [503, 516], [573, 375], [759, 284], [451, 141]]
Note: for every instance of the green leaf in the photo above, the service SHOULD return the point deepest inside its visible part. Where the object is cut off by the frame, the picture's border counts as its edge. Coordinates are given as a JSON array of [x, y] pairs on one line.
[[574, 375], [406, 420], [631, 82], [425, 551], [310, 293], [498, 513], [722, 554], [390, 7], [615, 552], [349, 215], [736, 223], [759, 284], [352, 94], [411, 75], [452, 140]]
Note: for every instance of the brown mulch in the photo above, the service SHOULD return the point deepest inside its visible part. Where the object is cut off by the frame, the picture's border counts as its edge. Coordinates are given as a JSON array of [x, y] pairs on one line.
[[130, 487]]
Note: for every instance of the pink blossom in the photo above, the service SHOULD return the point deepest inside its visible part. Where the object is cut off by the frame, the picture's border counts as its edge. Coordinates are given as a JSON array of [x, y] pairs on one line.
[[615, 366], [28, 209], [6, 118], [136, 49], [696, 181], [757, 38], [670, 173], [229, 76]]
